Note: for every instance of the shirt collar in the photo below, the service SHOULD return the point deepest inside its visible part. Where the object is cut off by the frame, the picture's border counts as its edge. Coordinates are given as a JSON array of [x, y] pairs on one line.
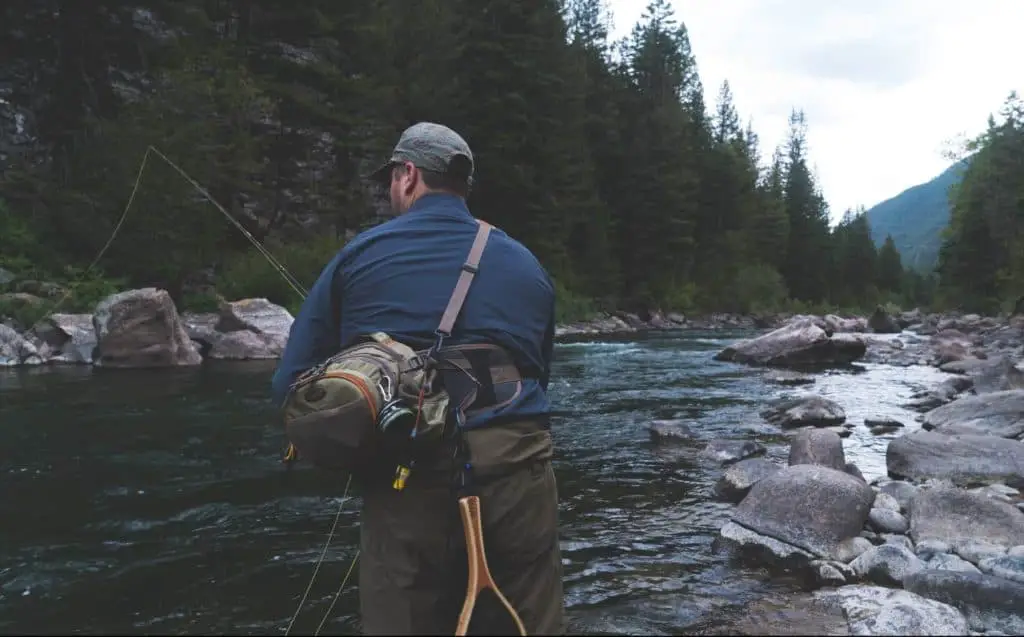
[[440, 202]]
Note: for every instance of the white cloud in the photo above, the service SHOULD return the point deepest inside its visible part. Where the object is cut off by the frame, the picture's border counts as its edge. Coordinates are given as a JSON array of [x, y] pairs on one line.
[[885, 84]]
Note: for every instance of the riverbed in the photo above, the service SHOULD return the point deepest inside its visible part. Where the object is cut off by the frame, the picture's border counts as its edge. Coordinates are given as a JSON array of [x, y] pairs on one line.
[[156, 501]]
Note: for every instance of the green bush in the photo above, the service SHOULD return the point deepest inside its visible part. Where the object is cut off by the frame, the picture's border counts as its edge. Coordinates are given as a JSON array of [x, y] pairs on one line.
[[759, 288], [249, 274], [570, 307]]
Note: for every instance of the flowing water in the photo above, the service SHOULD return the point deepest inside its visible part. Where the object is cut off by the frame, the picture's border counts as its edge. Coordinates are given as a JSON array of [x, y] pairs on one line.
[[155, 501]]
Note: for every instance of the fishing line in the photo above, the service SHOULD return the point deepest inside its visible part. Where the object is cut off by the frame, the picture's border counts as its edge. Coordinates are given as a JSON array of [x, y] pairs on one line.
[[289, 279]]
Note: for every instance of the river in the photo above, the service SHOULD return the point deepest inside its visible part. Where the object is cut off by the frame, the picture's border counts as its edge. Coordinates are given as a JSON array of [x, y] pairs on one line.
[[155, 501]]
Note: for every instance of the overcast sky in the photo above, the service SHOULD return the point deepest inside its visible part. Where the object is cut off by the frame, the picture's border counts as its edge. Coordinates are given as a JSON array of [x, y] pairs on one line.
[[885, 84]]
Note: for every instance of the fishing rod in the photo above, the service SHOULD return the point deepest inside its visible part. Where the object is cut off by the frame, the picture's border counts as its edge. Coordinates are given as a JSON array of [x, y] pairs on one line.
[[292, 282]]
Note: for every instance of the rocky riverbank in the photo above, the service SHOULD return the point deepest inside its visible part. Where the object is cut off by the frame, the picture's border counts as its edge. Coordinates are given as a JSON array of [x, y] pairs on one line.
[[934, 548], [143, 328]]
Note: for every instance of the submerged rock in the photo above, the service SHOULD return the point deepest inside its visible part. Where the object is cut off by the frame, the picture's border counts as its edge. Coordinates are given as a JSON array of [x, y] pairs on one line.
[[662, 431], [804, 411], [731, 451]]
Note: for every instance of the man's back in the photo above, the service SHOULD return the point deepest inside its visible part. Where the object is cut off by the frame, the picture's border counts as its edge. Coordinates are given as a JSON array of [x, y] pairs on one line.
[[397, 278]]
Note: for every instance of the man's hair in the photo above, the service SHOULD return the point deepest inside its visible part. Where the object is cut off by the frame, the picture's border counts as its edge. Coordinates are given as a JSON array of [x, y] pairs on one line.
[[442, 181]]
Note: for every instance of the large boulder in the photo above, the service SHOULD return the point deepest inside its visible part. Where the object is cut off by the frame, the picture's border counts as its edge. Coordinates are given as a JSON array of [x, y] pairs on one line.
[[817, 447], [963, 459], [141, 328], [881, 323], [957, 517], [810, 507], [800, 343], [999, 413]]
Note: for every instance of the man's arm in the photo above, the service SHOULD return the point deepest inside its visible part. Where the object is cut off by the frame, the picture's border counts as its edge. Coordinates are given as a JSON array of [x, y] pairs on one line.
[[315, 334]]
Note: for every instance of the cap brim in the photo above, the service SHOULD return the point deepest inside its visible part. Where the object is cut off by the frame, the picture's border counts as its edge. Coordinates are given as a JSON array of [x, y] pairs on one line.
[[382, 176]]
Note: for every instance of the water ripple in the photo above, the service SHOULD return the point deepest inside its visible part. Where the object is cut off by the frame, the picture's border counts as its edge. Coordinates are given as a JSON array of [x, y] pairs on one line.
[[119, 484]]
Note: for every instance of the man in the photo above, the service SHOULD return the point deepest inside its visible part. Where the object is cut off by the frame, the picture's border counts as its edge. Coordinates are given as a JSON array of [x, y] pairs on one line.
[[397, 278]]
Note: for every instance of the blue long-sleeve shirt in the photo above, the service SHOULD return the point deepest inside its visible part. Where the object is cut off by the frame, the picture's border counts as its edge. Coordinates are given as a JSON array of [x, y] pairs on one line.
[[397, 278]]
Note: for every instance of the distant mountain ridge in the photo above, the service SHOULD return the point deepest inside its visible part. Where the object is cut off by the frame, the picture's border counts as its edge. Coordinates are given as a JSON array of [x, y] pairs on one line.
[[916, 218]]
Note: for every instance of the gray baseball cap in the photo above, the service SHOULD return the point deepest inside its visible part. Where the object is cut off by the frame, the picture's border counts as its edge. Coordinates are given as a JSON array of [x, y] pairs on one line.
[[429, 146]]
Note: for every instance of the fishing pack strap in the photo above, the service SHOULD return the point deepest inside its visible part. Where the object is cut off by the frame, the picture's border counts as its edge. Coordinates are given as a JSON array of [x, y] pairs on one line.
[[458, 297]]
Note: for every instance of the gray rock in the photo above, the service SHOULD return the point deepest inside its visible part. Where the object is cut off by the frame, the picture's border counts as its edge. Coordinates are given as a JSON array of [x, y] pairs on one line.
[[854, 471], [898, 540], [996, 375], [943, 393], [882, 425], [996, 414], [829, 573], [256, 315], [885, 501], [244, 345], [881, 323], [730, 451], [966, 460], [998, 491], [990, 602], [887, 521], [959, 518], [6, 277], [876, 610], [950, 562], [801, 342], [737, 480], [669, 431], [838, 324], [15, 349], [926, 548], [141, 328], [71, 336], [817, 447], [886, 564], [804, 411], [964, 366], [811, 507], [1007, 566], [790, 379], [976, 551], [760, 548], [851, 548], [902, 492]]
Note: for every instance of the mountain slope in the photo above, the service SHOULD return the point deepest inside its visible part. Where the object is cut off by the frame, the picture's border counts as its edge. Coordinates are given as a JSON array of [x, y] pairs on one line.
[[915, 218]]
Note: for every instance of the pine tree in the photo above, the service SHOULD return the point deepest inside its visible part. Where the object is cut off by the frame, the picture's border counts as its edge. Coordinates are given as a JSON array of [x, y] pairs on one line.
[[890, 268]]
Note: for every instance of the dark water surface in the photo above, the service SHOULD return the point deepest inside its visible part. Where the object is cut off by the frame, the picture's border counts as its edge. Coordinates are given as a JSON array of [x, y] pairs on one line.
[[155, 502]]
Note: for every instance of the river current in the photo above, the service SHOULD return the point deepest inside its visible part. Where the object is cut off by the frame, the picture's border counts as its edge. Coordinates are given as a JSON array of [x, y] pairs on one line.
[[155, 501]]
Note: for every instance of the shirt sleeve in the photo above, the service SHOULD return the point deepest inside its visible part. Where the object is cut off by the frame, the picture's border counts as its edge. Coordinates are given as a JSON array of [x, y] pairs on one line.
[[548, 347], [315, 335]]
